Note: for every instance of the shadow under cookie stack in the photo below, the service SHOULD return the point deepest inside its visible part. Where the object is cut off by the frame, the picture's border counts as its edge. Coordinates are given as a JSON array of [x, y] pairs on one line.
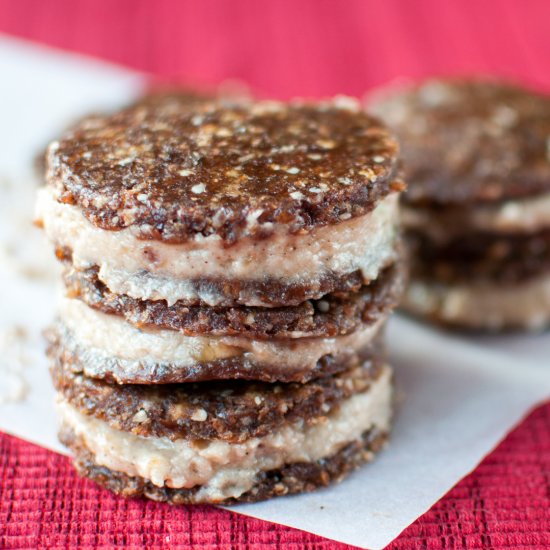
[[228, 270]]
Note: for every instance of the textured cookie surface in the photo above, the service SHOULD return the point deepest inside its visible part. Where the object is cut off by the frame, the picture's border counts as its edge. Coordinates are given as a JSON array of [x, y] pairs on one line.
[[336, 313], [500, 258], [292, 478], [470, 141], [229, 410], [174, 173]]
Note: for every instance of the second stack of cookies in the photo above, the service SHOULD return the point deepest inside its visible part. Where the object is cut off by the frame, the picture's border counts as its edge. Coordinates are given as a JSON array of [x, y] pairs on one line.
[[229, 270]]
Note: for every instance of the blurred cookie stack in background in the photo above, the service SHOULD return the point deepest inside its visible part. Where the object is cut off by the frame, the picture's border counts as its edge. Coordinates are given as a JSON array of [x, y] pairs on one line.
[[228, 273], [476, 216]]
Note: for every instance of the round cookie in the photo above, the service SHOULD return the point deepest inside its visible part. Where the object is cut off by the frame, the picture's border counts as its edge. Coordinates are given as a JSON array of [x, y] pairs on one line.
[[465, 142], [292, 478], [123, 340], [258, 204], [476, 215], [175, 173], [214, 443], [232, 410], [332, 315]]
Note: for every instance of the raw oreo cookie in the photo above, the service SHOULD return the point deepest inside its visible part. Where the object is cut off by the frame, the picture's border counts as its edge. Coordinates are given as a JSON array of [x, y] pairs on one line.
[[476, 214], [260, 204], [224, 442], [229, 268]]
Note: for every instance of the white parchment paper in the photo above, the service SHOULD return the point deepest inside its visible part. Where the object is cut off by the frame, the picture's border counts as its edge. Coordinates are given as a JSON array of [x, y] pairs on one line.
[[456, 398]]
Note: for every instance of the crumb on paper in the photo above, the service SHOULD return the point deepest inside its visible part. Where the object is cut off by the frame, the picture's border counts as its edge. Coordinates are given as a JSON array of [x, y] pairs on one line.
[[13, 361], [22, 252]]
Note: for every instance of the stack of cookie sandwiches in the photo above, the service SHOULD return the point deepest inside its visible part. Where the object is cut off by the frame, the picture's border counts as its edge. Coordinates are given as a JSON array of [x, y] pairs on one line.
[[476, 155], [228, 273]]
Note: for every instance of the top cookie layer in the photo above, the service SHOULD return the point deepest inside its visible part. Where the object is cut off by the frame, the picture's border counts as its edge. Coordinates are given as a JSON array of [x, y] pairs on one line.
[[175, 171], [470, 141]]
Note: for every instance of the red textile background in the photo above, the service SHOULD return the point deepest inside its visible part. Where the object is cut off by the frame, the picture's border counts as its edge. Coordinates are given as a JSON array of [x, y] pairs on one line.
[[285, 48]]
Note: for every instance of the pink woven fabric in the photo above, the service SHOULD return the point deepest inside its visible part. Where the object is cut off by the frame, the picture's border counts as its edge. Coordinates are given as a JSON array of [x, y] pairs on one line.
[[285, 48], [505, 503]]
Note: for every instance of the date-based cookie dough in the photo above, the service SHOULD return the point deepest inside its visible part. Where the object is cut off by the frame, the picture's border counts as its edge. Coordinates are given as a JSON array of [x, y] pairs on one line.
[[258, 204], [224, 443], [228, 270], [477, 212]]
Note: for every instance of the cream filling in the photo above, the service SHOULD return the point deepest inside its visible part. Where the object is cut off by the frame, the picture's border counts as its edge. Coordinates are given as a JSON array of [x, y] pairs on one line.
[[483, 305], [111, 337], [518, 216], [222, 469], [154, 270]]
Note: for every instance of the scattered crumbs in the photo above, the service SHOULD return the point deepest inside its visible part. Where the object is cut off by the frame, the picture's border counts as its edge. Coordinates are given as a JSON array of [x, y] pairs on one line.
[[13, 361], [505, 116], [297, 195], [142, 197], [315, 190], [345, 181], [346, 103], [258, 400], [378, 159], [314, 156], [186, 173], [246, 158], [326, 143], [367, 172], [223, 132], [293, 170], [198, 188], [199, 415], [287, 148], [141, 416]]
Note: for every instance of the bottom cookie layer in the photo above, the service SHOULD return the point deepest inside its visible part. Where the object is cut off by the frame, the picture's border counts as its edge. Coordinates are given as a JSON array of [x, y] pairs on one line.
[[486, 306], [215, 471], [299, 477]]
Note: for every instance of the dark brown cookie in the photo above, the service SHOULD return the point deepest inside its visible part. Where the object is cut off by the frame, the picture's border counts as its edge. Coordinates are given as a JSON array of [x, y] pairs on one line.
[[334, 314], [175, 173], [492, 257], [465, 142], [292, 478], [230, 410]]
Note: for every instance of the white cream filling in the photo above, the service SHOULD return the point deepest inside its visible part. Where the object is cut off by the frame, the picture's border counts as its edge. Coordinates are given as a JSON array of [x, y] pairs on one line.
[[156, 270], [222, 469], [516, 216], [483, 305], [111, 336]]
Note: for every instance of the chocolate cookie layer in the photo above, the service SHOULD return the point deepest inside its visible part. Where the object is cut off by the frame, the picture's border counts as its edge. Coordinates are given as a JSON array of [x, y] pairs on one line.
[[216, 469], [476, 216], [467, 142], [298, 477], [232, 411], [227, 171], [500, 258], [333, 314]]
